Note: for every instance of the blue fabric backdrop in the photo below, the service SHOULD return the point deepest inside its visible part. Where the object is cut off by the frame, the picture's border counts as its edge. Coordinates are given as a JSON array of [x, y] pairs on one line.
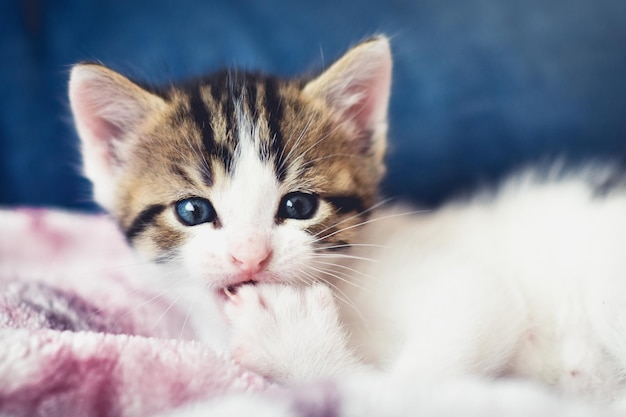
[[480, 86]]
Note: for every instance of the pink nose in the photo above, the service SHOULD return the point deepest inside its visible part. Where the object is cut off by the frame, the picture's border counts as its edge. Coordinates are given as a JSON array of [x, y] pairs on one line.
[[251, 259]]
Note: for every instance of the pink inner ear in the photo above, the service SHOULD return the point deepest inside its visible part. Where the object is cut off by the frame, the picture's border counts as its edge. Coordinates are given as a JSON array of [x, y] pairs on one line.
[[107, 108], [365, 112], [90, 100], [107, 133], [103, 130], [361, 93], [97, 132]]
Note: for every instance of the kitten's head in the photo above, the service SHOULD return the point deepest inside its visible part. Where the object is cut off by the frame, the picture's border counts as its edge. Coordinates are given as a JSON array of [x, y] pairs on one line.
[[238, 176]]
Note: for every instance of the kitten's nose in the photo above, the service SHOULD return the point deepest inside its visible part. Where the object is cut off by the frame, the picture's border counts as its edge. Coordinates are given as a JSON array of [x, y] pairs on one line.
[[251, 258]]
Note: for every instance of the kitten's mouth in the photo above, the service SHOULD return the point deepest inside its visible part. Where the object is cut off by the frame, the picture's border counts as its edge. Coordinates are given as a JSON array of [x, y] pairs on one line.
[[231, 290]]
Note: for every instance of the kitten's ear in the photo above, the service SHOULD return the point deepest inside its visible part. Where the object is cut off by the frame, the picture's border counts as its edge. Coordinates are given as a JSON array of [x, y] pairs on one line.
[[357, 88], [108, 109]]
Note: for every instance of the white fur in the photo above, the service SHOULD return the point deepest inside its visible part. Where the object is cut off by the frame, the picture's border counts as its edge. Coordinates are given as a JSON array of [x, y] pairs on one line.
[[247, 214], [303, 321], [370, 395], [525, 283]]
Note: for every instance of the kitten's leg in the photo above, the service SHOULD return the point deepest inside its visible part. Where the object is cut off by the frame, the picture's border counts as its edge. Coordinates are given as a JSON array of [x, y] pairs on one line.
[[288, 333]]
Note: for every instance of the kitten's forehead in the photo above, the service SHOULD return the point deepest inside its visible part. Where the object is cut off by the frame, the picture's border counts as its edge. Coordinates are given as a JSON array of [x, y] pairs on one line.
[[227, 107], [250, 191], [293, 138], [195, 143]]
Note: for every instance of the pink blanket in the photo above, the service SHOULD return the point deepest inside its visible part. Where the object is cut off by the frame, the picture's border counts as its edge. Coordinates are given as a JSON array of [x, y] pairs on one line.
[[80, 336], [83, 333]]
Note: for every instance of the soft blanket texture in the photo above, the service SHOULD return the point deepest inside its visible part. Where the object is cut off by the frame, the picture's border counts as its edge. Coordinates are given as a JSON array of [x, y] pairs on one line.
[[79, 337], [85, 332]]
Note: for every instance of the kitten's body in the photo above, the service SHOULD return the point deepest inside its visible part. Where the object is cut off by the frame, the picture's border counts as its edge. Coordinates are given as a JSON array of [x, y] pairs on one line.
[[238, 179], [526, 282]]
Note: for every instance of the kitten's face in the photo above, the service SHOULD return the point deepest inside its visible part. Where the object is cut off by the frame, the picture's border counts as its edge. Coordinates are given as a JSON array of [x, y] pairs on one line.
[[238, 177]]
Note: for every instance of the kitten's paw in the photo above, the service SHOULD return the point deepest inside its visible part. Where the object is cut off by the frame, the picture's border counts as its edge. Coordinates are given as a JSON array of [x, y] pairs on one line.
[[287, 333]]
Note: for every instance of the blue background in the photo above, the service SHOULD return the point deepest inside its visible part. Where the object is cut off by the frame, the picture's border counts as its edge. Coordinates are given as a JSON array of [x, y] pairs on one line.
[[480, 86]]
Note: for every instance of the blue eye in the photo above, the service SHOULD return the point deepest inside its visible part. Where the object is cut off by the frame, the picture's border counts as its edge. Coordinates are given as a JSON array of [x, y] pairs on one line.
[[298, 205], [195, 210]]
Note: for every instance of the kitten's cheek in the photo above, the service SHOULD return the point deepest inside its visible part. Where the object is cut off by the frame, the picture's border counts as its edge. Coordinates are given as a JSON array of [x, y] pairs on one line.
[[201, 260]]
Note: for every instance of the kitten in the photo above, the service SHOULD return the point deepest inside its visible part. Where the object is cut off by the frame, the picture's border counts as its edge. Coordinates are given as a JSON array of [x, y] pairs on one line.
[[241, 178]]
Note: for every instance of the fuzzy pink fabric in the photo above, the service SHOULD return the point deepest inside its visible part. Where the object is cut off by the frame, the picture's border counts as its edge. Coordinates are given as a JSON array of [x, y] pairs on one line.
[[78, 334]]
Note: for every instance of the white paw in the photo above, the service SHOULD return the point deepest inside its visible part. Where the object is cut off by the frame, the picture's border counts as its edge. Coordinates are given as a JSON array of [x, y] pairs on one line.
[[287, 333]]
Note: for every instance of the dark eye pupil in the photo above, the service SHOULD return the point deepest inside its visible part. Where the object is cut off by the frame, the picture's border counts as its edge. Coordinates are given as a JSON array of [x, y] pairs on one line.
[[298, 205], [195, 210]]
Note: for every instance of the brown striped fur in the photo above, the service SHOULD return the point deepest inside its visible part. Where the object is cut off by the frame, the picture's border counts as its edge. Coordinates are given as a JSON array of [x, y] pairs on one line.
[[183, 140]]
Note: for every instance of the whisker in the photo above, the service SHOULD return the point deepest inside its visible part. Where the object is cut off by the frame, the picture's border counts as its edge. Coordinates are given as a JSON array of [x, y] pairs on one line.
[[188, 314], [342, 255], [296, 143], [327, 135], [351, 245], [337, 155], [345, 267], [342, 297], [163, 293], [380, 203], [132, 291], [312, 277], [391, 216], [320, 140], [172, 304], [335, 274]]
